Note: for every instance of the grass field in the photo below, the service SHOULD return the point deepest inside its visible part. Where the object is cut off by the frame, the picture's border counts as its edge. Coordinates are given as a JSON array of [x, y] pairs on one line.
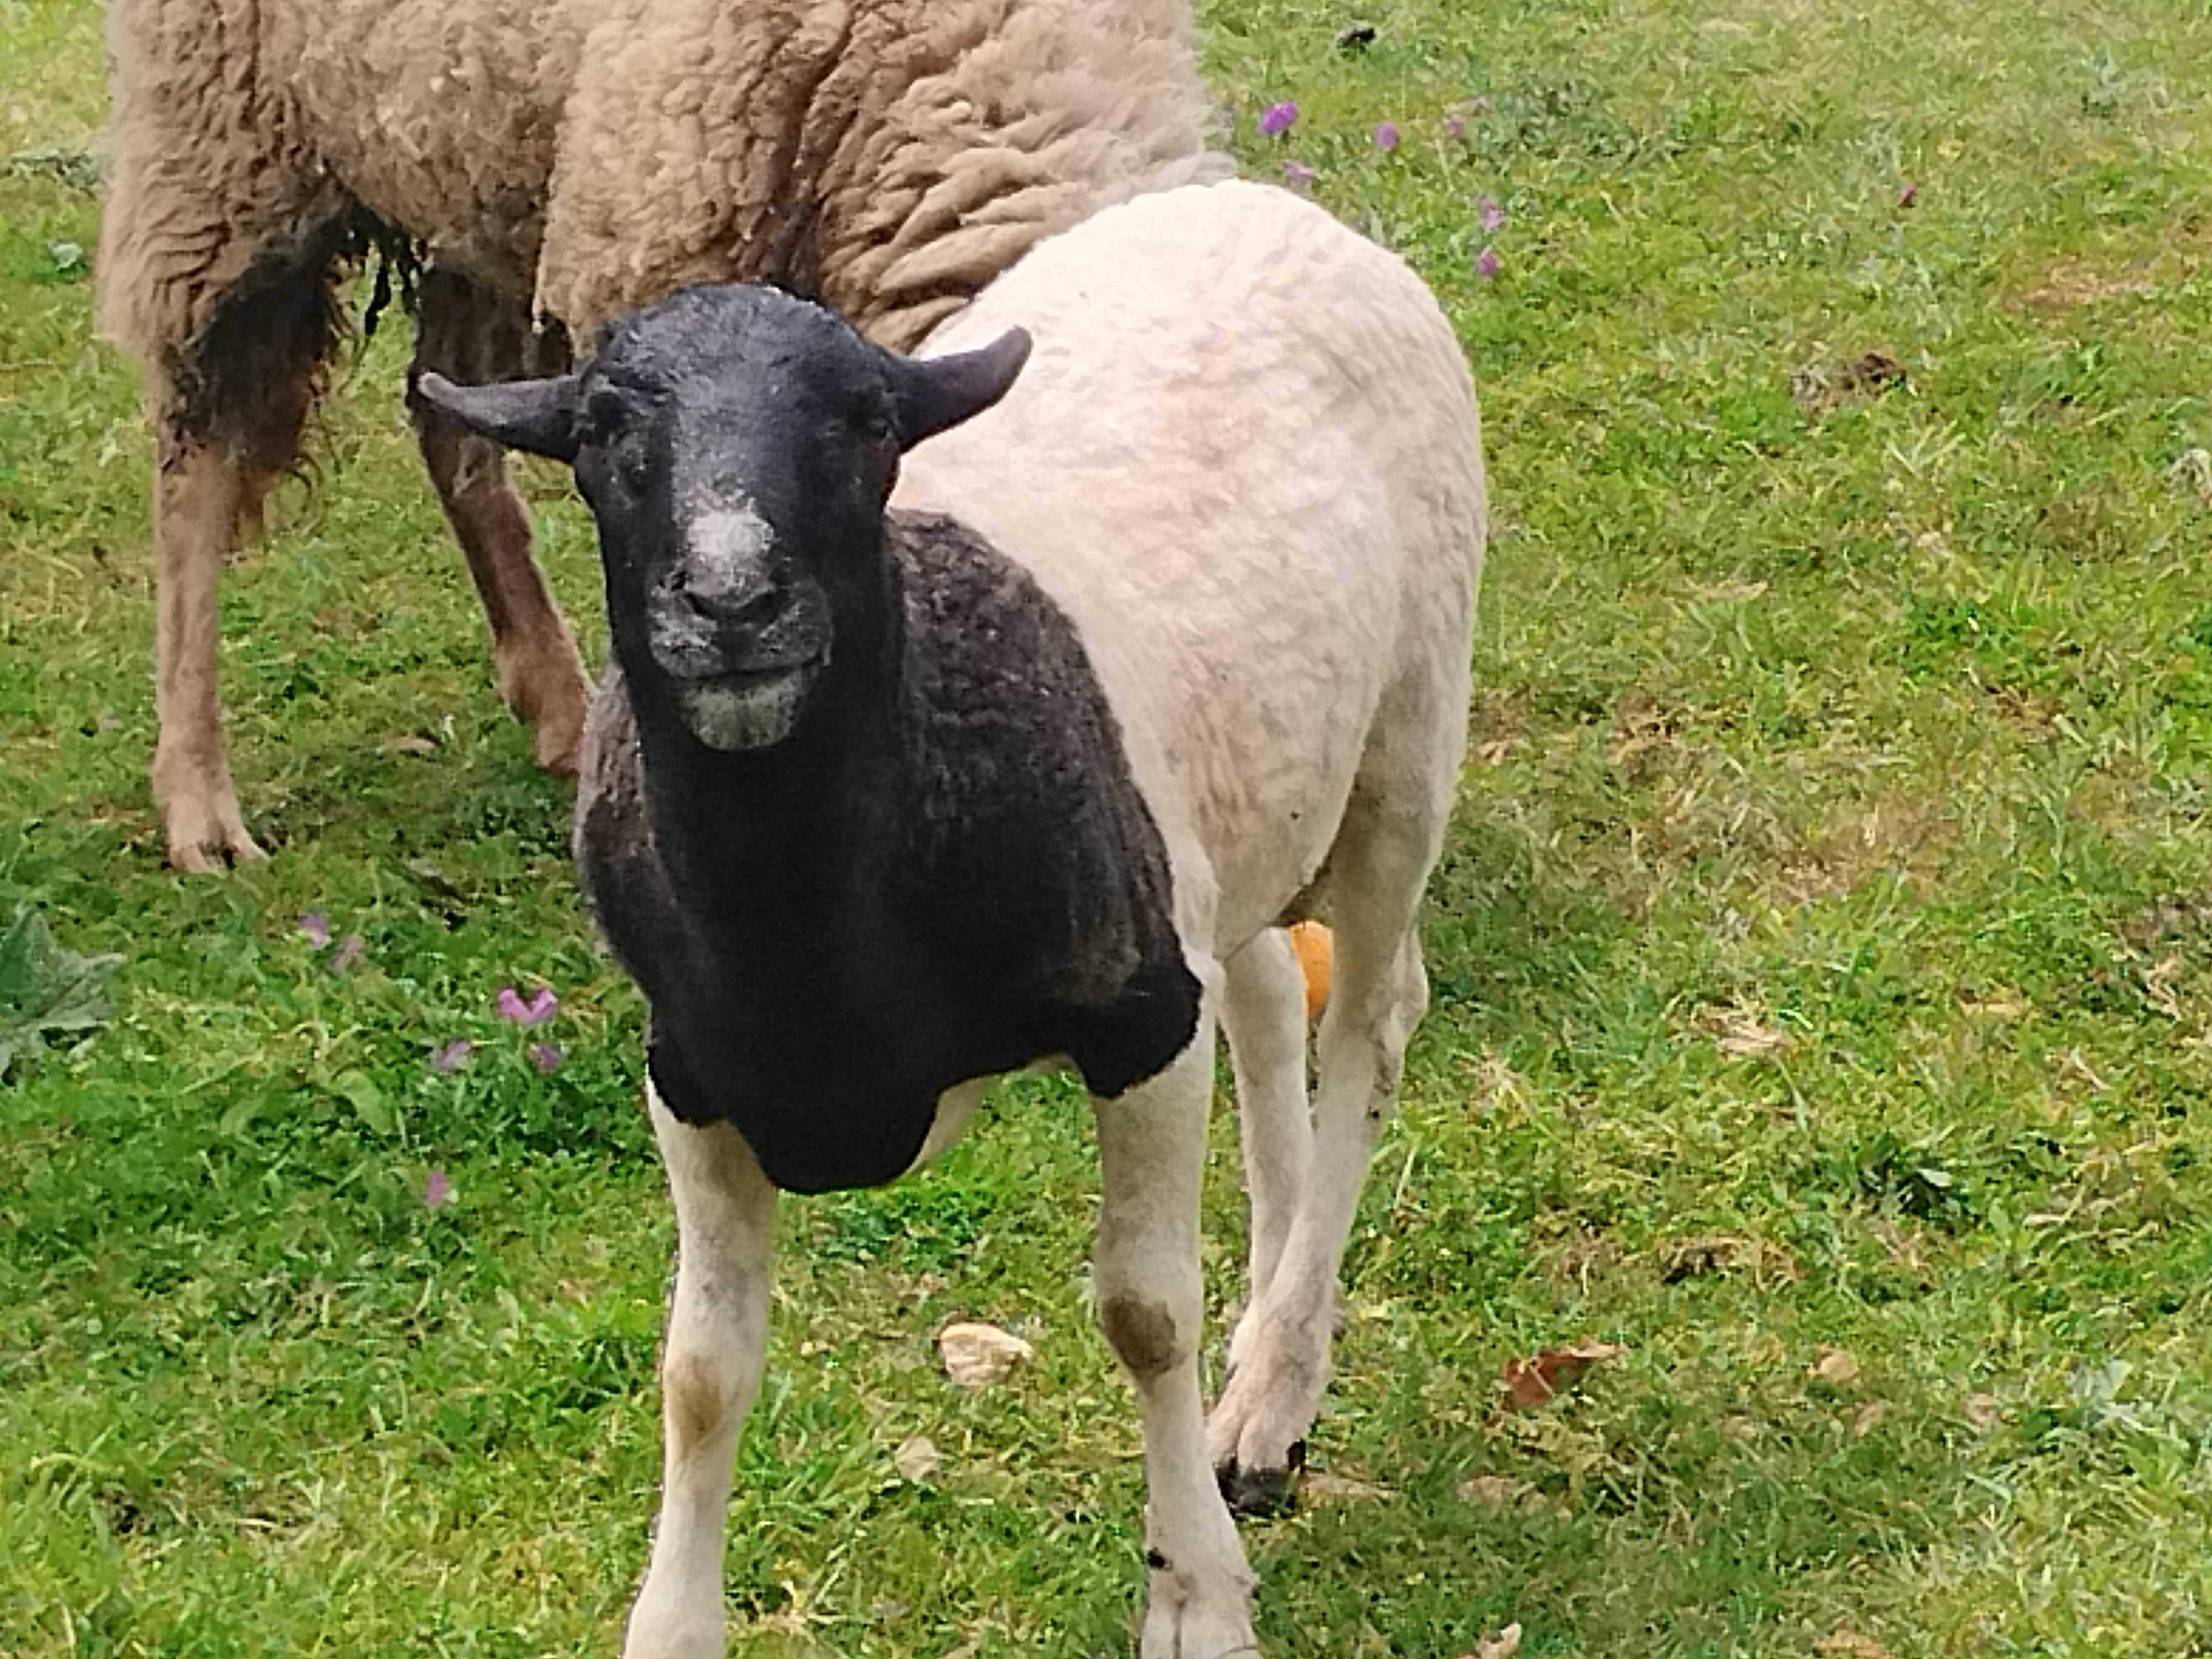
[[1823, 955]]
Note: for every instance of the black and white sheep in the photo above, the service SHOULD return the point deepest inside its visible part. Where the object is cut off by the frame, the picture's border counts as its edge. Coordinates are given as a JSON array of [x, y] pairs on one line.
[[563, 159], [881, 800]]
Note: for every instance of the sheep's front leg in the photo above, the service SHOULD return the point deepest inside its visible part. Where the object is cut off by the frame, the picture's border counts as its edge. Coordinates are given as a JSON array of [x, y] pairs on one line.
[[470, 335], [717, 1338], [1152, 1144]]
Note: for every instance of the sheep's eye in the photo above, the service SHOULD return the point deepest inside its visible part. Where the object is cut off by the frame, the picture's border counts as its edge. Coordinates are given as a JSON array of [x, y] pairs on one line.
[[633, 462], [605, 417], [612, 423]]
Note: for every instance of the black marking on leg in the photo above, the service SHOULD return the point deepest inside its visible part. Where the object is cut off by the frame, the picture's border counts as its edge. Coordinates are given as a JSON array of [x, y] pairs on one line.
[[1263, 1494]]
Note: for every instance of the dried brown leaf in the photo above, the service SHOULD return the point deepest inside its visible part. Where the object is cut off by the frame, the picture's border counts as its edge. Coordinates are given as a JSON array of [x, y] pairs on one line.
[[1848, 1643], [1504, 1645], [1983, 1410], [1496, 1491], [2004, 1006], [1836, 1367], [916, 1459], [1339, 1488], [1527, 1383], [976, 1355], [1743, 1035]]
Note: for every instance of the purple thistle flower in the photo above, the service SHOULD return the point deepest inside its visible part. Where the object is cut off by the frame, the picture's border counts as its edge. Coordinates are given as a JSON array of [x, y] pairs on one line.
[[1493, 216], [451, 1056], [1277, 119], [1298, 175], [437, 1190], [316, 926], [546, 1057], [536, 1011], [1486, 264], [348, 954], [1455, 126], [1386, 136], [1909, 195]]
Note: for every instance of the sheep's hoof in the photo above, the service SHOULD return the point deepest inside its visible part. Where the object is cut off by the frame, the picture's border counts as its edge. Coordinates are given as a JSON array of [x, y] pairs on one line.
[[542, 685], [556, 746], [1262, 1494], [204, 833]]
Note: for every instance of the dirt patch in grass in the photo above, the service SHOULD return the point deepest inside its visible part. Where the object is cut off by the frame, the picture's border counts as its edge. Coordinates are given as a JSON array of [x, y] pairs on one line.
[[1819, 387], [2070, 283]]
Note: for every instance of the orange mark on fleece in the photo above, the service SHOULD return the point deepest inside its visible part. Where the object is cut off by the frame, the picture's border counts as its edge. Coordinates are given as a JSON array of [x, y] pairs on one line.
[[1316, 954]]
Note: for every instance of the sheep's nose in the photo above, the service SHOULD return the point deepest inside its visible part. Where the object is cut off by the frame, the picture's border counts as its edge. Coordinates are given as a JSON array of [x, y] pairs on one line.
[[731, 602], [729, 563], [731, 597]]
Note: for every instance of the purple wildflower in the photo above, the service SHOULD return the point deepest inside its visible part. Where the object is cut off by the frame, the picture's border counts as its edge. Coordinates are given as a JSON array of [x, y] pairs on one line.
[[1909, 195], [1493, 216], [1386, 136], [1277, 119], [317, 928], [348, 954], [546, 1057], [536, 1011], [1486, 264], [437, 1190], [451, 1056], [1298, 175], [1455, 126]]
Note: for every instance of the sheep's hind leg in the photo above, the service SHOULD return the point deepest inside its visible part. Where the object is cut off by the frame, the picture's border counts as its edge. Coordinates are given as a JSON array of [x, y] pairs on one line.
[[710, 1369], [1257, 1433], [1152, 1145], [1263, 1012], [228, 415], [473, 338], [200, 491]]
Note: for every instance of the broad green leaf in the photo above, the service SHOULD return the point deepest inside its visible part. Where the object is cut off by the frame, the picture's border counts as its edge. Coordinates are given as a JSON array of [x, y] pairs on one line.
[[359, 1090], [45, 990]]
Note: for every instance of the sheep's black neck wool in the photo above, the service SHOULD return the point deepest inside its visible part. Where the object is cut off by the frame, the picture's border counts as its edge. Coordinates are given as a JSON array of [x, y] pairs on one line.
[[947, 874]]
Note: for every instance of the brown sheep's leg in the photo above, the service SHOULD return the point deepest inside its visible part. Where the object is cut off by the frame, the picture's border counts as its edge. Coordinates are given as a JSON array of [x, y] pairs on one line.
[[229, 410], [471, 337], [200, 492]]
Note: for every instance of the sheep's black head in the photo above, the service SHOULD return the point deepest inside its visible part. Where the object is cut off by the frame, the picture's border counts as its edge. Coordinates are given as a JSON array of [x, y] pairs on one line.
[[737, 447]]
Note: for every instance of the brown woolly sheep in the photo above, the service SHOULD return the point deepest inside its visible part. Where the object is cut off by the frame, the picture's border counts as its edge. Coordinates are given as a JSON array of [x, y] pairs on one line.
[[557, 163]]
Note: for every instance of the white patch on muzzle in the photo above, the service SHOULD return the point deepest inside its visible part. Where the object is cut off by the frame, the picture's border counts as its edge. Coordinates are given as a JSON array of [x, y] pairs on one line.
[[747, 712]]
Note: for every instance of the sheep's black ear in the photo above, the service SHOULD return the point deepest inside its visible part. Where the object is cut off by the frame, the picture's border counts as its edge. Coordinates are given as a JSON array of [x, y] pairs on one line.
[[932, 393], [538, 415]]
